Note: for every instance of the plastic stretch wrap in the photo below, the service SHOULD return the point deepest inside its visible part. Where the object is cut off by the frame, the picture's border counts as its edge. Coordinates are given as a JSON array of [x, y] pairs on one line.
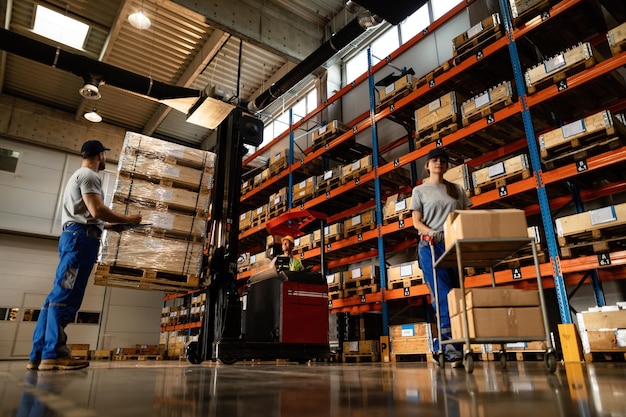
[[143, 251], [171, 186]]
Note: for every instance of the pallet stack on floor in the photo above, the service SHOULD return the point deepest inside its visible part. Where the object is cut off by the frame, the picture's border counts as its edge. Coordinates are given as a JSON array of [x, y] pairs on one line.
[[170, 185]]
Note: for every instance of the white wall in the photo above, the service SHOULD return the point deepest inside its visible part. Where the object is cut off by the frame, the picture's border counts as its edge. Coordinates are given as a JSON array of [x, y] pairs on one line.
[[29, 228]]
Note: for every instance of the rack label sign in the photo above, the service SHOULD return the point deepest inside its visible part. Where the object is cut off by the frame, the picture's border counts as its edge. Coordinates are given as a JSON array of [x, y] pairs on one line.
[[516, 273], [581, 165], [604, 259]]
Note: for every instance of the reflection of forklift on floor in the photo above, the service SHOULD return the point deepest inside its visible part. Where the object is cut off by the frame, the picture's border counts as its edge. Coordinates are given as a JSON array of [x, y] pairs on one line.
[[279, 314]]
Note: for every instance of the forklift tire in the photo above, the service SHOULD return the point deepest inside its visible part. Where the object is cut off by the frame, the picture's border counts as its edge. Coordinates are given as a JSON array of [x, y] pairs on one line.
[[191, 353], [227, 361]]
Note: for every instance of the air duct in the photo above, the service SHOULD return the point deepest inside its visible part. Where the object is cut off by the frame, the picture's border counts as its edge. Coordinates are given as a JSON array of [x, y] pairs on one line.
[[85, 67], [322, 54]]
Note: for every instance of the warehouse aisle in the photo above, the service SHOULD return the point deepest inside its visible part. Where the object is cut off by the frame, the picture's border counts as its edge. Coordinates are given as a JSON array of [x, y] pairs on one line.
[[162, 388]]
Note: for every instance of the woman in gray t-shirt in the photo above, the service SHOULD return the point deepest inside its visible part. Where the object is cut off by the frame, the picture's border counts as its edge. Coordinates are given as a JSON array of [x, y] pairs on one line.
[[431, 202]]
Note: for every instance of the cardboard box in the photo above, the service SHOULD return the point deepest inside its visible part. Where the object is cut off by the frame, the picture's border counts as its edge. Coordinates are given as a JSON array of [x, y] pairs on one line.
[[370, 271], [601, 218], [491, 297], [435, 112], [394, 208], [522, 322], [482, 224], [357, 167], [401, 84], [364, 219], [333, 231], [461, 175]]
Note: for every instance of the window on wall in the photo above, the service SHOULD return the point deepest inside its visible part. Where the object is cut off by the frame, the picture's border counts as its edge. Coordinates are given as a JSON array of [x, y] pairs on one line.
[[441, 7], [415, 23], [9, 313], [276, 126], [83, 317]]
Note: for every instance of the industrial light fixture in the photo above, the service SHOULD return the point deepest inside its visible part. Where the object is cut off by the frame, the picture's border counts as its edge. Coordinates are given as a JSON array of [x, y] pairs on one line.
[[139, 20], [90, 92], [93, 116]]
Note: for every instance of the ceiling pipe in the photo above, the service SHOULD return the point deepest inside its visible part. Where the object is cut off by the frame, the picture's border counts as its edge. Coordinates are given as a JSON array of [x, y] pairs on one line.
[[322, 54], [86, 67]]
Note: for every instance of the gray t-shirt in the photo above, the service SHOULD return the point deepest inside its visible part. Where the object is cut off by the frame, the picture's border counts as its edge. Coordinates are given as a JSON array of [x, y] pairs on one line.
[[435, 204], [83, 181]]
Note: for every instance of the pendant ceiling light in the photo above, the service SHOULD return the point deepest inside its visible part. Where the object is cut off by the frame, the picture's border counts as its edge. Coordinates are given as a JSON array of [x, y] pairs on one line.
[[93, 116], [139, 20]]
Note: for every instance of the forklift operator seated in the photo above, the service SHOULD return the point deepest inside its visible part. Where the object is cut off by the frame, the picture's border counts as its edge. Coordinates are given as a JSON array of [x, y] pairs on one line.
[[285, 261]]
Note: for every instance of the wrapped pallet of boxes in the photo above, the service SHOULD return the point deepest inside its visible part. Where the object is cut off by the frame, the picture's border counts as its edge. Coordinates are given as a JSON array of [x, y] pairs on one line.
[[496, 312], [171, 186], [404, 275], [304, 190], [332, 233], [411, 338], [436, 115], [501, 174]]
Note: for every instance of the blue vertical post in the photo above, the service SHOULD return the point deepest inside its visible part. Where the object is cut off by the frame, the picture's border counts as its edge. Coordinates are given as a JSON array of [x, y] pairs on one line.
[[544, 203], [596, 284], [291, 153], [377, 196]]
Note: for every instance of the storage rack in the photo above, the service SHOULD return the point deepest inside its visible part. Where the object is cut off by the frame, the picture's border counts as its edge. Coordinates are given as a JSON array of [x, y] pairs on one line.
[[400, 235]]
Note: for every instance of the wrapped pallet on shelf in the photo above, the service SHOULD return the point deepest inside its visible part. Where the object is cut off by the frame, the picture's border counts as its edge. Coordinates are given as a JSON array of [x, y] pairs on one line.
[[395, 90], [352, 171], [171, 186], [361, 281], [304, 190], [359, 223], [524, 10], [277, 203], [332, 233], [327, 133]]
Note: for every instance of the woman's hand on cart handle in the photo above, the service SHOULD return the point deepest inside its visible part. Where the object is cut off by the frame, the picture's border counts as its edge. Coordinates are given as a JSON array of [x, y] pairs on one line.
[[434, 236]]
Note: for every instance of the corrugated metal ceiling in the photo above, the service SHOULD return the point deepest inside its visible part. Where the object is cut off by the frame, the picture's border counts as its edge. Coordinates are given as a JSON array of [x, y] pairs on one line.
[[180, 48]]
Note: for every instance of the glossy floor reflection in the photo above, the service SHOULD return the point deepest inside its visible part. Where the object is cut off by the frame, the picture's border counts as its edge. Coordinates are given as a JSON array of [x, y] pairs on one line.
[[162, 388]]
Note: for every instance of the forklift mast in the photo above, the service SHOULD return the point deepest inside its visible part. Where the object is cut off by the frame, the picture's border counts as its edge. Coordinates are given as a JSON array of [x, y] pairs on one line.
[[222, 314]]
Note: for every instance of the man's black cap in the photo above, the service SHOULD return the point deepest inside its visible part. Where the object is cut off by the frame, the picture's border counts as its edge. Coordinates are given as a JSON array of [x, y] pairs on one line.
[[92, 148], [437, 153]]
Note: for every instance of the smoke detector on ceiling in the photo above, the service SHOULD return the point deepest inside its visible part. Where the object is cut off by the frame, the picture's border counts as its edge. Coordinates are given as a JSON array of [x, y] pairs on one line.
[[90, 92]]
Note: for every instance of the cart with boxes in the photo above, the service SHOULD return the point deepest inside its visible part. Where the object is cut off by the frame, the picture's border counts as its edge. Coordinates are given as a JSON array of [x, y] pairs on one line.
[[496, 315]]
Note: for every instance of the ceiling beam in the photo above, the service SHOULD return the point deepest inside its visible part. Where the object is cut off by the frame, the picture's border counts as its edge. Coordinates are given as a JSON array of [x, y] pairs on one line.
[[210, 48], [264, 24], [3, 54]]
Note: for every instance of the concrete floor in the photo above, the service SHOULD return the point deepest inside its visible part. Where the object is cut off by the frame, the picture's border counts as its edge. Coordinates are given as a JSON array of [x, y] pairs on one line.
[[172, 388]]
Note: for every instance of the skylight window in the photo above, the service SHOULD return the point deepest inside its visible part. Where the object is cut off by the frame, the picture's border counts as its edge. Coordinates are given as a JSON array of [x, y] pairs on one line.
[[60, 28]]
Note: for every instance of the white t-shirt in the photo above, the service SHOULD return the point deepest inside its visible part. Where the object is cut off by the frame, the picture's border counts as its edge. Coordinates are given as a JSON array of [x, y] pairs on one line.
[[83, 181], [435, 204]]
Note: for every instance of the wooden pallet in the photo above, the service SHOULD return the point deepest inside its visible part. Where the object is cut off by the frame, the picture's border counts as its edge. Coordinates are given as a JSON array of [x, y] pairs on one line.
[[360, 357], [355, 174], [593, 241], [405, 283], [353, 231], [598, 356], [403, 215], [335, 295], [444, 130], [430, 77], [477, 43], [148, 279], [583, 152], [137, 357], [101, 354], [364, 290], [361, 282], [573, 136], [409, 357], [575, 60], [487, 103]]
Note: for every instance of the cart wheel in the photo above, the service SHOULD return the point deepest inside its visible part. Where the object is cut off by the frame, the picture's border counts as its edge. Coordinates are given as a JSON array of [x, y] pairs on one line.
[[469, 363], [502, 360], [550, 362], [441, 358], [191, 353], [227, 359]]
